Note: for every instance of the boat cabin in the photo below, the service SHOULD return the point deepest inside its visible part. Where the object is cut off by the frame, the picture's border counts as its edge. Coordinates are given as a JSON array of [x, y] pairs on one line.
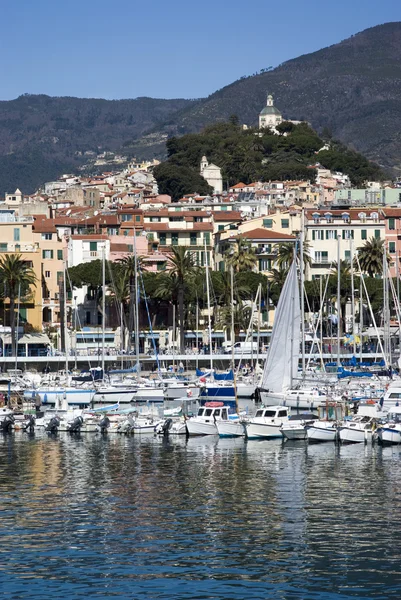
[[273, 412], [211, 414]]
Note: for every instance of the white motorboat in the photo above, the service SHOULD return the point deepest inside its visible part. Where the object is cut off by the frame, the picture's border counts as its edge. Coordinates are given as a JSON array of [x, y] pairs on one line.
[[267, 422], [302, 398], [172, 426], [295, 427], [205, 421], [107, 395], [174, 390], [54, 396], [322, 431], [358, 430], [390, 432], [148, 425]]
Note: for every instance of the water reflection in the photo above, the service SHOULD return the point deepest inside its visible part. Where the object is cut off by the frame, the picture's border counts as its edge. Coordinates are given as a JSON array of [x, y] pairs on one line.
[[200, 518]]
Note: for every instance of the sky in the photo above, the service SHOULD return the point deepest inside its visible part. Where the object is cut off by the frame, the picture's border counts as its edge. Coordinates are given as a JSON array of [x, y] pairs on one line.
[[174, 49]]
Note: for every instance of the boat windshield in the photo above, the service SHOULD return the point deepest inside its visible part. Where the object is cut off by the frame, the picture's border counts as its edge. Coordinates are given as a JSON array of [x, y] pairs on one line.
[[217, 412], [259, 413], [200, 412], [270, 413], [208, 412]]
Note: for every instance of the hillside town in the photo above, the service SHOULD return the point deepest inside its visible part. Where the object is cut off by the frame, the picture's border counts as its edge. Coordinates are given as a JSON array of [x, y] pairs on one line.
[[77, 220]]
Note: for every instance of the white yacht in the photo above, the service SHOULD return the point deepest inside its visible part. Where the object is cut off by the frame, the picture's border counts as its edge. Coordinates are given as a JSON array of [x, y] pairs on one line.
[[390, 432], [267, 422], [361, 428], [234, 427], [205, 421]]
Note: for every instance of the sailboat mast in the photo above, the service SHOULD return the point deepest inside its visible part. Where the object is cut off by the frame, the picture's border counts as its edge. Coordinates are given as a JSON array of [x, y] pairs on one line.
[[103, 304], [197, 328], [208, 310], [65, 324], [136, 306], [351, 252], [232, 317], [338, 301], [301, 265]]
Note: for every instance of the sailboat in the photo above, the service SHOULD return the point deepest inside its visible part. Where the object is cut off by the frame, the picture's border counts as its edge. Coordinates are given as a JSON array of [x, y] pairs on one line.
[[281, 365]]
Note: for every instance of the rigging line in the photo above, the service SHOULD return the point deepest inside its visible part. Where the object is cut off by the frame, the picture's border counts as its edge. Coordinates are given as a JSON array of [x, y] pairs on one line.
[[150, 322], [79, 323]]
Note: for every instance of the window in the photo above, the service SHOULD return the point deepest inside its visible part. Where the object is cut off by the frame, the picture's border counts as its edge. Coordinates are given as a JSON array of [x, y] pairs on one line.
[[221, 227], [155, 220], [46, 236], [348, 234], [47, 274], [377, 234], [331, 234], [321, 257], [162, 239], [3, 247], [317, 234], [193, 239], [161, 266], [130, 247], [285, 223], [198, 219], [268, 223], [265, 264], [138, 218], [16, 235], [47, 253], [87, 318], [347, 255], [391, 224], [207, 238], [364, 234], [174, 239], [125, 231], [93, 246], [222, 266], [391, 247], [59, 255]]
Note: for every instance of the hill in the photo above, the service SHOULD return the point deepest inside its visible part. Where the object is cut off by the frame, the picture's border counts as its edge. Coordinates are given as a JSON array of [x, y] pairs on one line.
[[353, 88], [42, 137], [251, 155]]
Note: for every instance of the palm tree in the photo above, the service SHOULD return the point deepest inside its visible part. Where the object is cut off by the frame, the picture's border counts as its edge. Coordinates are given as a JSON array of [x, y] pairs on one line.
[[277, 277], [370, 257], [181, 270], [241, 318], [16, 277], [119, 288], [243, 257], [285, 254]]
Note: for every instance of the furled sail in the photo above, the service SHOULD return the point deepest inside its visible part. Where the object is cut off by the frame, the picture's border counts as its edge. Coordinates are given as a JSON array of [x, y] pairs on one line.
[[281, 364]]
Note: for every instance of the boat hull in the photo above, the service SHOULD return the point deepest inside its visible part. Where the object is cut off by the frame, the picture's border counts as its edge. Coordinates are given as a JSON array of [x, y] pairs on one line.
[[389, 435], [294, 433], [230, 428], [255, 430], [316, 433], [197, 427], [354, 435]]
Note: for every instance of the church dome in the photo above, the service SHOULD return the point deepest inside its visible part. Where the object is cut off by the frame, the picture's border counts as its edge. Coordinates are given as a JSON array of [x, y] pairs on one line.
[[270, 110]]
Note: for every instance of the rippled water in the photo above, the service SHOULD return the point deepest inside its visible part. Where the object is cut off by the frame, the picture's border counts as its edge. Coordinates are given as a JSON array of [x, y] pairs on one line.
[[132, 517]]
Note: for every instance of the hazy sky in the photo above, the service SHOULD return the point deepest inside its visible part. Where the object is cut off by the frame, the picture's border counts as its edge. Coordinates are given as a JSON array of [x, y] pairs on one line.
[[125, 48]]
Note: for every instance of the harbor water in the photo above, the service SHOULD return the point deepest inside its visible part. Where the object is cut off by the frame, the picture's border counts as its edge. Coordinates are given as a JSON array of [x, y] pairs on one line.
[[205, 518]]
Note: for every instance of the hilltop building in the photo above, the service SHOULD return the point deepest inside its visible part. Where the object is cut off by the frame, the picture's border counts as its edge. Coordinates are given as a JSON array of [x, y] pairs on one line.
[[270, 116], [212, 174]]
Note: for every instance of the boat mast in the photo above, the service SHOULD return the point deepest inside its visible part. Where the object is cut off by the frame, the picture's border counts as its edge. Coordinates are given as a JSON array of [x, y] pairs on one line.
[[360, 317], [301, 266], [232, 318], [208, 310], [103, 303], [197, 328], [351, 252], [16, 330], [65, 324], [386, 312], [338, 302], [136, 307]]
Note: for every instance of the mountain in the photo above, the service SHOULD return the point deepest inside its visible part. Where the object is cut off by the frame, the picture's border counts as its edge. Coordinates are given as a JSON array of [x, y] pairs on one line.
[[353, 88], [42, 137]]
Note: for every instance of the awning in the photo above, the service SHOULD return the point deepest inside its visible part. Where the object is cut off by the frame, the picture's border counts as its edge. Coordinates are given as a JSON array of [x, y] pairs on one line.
[[34, 338]]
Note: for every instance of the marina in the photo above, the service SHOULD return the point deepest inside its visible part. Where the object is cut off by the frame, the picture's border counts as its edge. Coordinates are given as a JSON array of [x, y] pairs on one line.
[[139, 514]]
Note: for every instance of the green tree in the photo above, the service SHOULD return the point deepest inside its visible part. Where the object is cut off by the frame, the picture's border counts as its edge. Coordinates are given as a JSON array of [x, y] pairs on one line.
[[128, 266], [16, 277], [370, 257], [177, 180], [285, 254], [242, 257]]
